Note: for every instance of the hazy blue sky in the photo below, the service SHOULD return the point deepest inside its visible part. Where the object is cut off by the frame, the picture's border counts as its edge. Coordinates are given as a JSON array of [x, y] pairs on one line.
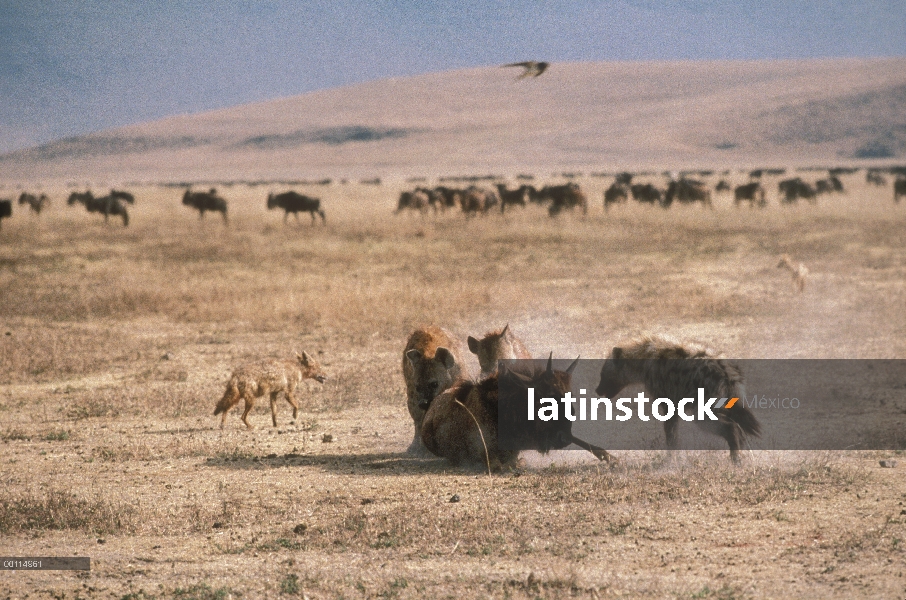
[[75, 66]]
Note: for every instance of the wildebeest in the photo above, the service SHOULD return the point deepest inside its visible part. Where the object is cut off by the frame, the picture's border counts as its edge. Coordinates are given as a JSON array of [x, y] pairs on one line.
[[496, 345], [267, 378], [468, 417], [565, 197], [874, 178], [417, 201], [615, 194], [108, 205], [753, 193], [722, 186], [36, 203], [792, 189], [124, 196], [291, 202], [646, 193], [451, 197], [206, 201], [516, 197], [687, 191], [6, 210], [624, 178], [476, 200], [432, 361], [899, 189], [671, 370], [826, 186]]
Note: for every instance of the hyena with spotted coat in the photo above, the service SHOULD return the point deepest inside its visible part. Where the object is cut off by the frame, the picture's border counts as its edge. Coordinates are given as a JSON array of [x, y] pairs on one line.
[[268, 377], [497, 345], [672, 370], [432, 362]]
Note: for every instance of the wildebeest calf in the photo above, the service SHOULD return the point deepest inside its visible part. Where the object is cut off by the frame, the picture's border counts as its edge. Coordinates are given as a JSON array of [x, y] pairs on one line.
[[269, 377], [496, 346], [291, 202], [671, 370]]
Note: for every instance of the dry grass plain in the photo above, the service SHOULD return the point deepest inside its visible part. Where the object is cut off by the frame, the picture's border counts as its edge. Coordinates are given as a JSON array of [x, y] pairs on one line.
[[116, 343]]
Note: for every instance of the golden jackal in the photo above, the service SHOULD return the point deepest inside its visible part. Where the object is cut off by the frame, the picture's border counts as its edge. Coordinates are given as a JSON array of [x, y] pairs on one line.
[[273, 376]]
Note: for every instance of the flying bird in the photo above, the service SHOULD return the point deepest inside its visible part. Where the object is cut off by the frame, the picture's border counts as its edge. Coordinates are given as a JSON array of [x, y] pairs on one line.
[[532, 68]]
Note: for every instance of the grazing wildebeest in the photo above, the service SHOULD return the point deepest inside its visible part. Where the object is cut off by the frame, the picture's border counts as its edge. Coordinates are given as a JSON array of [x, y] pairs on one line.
[[451, 197], [722, 186], [432, 362], [6, 210], [496, 345], [417, 201], [36, 203], [615, 194], [565, 197], [899, 189], [753, 193], [476, 200], [267, 378], [687, 191], [108, 205], [674, 371], [124, 196], [646, 193], [465, 420], [291, 202], [875, 178], [792, 189], [206, 201], [516, 197]]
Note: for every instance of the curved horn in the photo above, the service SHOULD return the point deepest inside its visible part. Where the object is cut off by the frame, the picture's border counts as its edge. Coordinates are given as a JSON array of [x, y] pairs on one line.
[[550, 362], [569, 370]]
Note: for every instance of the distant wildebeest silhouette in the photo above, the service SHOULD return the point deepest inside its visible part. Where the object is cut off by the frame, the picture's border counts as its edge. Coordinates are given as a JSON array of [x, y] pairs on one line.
[[291, 202], [899, 189], [672, 370], [687, 191], [514, 197], [6, 210], [416, 201], [464, 422], [647, 193], [495, 346], [874, 178], [565, 197], [476, 200], [268, 377], [206, 201], [624, 178], [107, 205], [451, 198], [722, 186], [432, 361], [124, 196], [753, 193], [798, 271], [532, 68], [617, 193], [36, 203], [826, 186], [791, 190]]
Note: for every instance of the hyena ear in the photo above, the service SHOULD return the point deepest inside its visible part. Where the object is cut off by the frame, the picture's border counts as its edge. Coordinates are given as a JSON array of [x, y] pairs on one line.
[[445, 357], [550, 362], [473, 345], [414, 356], [306, 357]]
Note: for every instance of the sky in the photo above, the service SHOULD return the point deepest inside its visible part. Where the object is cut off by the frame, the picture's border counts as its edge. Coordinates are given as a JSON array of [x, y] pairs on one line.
[[70, 67]]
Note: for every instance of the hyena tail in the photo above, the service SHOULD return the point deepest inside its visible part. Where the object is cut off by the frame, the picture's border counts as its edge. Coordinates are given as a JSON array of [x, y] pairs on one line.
[[742, 416], [230, 397]]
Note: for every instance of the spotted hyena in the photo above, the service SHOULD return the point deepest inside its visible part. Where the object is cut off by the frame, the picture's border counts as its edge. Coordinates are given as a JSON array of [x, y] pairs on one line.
[[494, 346], [432, 362], [269, 377], [672, 370]]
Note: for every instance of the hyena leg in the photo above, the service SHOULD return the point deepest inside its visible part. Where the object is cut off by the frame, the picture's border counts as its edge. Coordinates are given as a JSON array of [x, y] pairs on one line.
[[292, 400], [273, 396], [732, 433], [671, 432], [249, 403]]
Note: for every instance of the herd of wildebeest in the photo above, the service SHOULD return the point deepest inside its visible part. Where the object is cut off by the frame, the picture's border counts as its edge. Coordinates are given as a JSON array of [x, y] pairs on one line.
[[474, 200]]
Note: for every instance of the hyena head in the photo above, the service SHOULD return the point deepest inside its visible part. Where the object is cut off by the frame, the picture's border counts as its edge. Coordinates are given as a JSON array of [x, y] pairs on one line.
[[432, 375], [310, 368], [494, 346], [612, 378]]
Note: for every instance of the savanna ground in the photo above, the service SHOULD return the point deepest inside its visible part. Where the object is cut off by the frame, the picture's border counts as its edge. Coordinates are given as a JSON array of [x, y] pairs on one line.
[[115, 344]]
